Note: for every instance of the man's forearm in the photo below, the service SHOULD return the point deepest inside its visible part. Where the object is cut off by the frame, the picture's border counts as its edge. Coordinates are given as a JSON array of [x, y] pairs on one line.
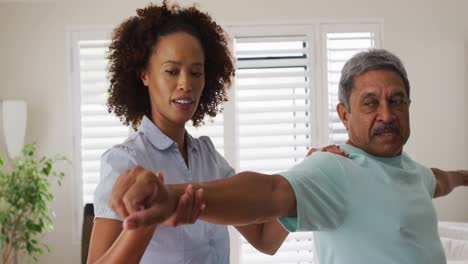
[[245, 198]]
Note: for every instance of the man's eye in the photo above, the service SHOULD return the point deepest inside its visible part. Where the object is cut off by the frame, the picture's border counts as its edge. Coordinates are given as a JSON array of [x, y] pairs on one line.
[[370, 104], [399, 103]]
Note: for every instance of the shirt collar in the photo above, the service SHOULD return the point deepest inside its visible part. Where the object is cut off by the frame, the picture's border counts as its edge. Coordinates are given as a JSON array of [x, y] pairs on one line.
[[189, 141], [160, 140], [350, 149], [154, 134]]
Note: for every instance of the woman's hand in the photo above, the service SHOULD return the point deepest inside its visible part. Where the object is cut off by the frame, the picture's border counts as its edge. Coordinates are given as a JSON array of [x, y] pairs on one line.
[[330, 148], [189, 208]]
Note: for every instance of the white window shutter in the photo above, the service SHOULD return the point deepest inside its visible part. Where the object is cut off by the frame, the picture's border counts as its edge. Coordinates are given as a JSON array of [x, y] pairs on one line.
[[341, 46], [273, 112], [272, 102], [211, 127], [100, 130]]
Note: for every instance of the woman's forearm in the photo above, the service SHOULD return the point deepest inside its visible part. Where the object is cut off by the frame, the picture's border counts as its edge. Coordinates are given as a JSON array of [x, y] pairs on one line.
[[129, 246]]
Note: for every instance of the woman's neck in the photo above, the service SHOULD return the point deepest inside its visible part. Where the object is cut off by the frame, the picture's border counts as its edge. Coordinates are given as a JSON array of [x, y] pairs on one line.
[[174, 132]]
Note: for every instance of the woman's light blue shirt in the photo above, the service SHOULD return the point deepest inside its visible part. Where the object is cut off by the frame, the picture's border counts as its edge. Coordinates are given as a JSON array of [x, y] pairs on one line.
[[153, 150]]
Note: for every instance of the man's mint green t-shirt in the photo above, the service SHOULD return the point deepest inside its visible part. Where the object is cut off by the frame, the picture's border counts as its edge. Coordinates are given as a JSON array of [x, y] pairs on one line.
[[366, 209]]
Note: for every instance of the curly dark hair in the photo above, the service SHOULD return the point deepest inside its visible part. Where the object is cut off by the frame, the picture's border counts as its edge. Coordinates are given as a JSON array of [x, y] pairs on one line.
[[131, 48]]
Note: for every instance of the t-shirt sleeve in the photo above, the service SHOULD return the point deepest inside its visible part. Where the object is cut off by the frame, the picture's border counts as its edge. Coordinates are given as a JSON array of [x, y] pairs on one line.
[[114, 162], [320, 185], [222, 164], [429, 180]]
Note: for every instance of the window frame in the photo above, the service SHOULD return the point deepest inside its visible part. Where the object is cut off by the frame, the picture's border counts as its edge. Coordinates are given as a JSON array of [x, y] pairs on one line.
[[316, 33], [74, 35], [318, 94]]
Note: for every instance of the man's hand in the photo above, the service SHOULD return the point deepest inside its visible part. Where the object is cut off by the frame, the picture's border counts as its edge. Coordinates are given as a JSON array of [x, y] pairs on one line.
[[141, 194], [330, 148]]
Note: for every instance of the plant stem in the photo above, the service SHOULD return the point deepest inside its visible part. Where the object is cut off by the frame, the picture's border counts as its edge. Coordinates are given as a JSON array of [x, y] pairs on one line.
[[13, 235], [7, 253]]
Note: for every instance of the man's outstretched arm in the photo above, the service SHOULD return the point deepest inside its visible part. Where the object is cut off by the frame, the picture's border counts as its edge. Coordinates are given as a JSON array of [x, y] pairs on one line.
[[446, 181], [244, 198]]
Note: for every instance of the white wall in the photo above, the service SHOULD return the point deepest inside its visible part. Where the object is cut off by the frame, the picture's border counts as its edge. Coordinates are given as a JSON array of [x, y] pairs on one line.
[[431, 37]]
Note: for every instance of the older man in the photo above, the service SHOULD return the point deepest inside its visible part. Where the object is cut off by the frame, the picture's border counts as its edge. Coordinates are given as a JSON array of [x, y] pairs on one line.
[[373, 207]]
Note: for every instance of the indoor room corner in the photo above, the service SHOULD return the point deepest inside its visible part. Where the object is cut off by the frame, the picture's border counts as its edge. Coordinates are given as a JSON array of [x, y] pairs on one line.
[[429, 36]]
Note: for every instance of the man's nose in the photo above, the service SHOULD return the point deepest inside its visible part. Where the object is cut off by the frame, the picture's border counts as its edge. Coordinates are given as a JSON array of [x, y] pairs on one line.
[[385, 113]]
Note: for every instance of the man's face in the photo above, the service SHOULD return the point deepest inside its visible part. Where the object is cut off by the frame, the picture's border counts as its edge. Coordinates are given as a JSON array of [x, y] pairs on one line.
[[378, 118]]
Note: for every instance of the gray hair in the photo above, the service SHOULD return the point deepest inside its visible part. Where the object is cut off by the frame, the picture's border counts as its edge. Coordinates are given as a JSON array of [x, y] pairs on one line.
[[374, 59]]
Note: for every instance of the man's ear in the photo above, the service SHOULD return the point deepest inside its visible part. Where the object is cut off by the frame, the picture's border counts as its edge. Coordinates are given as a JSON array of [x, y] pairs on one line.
[[343, 114]]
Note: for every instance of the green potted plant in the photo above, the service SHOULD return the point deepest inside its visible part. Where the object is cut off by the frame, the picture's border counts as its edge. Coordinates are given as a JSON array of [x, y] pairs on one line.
[[24, 198]]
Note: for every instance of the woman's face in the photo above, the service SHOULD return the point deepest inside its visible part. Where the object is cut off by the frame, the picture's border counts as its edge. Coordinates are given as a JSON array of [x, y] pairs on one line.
[[175, 78]]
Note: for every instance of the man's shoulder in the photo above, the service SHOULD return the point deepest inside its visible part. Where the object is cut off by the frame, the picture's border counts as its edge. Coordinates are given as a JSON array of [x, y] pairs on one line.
[[407, 159], [323, 163]]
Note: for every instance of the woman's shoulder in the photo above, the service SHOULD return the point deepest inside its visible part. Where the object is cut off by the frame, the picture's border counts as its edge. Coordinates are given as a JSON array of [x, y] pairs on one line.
[[125, 149], [206, 142], [205, 145]]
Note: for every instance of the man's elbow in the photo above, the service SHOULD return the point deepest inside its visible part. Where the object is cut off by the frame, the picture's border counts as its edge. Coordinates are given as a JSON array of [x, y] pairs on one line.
[[270, 252], [267, 248], [443, 188]]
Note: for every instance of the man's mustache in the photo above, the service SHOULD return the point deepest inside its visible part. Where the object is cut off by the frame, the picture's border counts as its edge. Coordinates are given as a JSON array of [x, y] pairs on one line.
[[386, 128]]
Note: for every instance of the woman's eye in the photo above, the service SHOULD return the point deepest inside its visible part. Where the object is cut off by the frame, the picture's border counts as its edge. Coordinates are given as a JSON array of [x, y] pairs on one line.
[[197, 74], [171, 72]]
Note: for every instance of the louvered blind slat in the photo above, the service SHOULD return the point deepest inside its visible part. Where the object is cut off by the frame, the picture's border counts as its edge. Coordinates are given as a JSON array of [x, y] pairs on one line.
[[272, 106], [341, 47], [99, 129]]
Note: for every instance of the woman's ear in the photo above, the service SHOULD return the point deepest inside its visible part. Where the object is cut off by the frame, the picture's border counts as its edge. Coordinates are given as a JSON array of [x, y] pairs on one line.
[[144, 77]]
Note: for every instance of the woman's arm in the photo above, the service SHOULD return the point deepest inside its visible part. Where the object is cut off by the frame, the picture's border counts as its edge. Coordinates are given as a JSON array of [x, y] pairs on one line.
[[111, 244], [266, 237]]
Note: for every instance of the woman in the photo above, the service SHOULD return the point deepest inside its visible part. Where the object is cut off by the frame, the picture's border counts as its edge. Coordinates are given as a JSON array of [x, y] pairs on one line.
[[168, 65]]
